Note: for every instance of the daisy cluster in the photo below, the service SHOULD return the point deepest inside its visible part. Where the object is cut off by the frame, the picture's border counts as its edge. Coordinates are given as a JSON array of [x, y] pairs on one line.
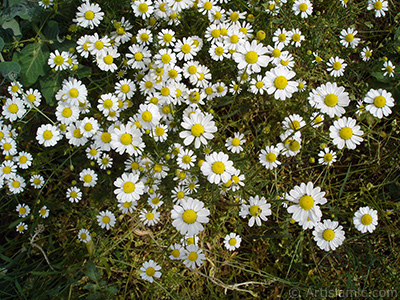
[[153, 130]]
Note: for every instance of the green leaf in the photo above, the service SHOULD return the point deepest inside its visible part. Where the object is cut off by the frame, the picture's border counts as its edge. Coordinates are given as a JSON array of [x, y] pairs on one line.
[[33, 60], [50, 85], [1, 43], [14, 26], [92, 272], [51, 30], [25, 10], [9, 69]]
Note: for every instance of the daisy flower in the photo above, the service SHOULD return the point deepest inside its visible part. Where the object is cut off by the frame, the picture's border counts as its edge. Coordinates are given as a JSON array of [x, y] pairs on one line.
[[139, 57], [179, 5], [16, 184], [127, 206], [149, 115], [291, 142], [193, 256], [232, 241], [166, 37], [296, 37], [258, 209], [206, 7], [251, 56], [177, 251], [99, 45], [37, 181], [327, 157], [142, 8], [126, 139], [330, 99], [336, 66], [257, 85], [45, 3], [89, 15], [89, 126], [74, 135], [23, 160], [217, 167], [293, 122], [124, 89], [73, 91], [302, 7], [186, 159], [199, 128], [23, 210], [189, 215], [33, 97], [365, 219], [281, 37], [121, 35], [150, 270], [8, 146], [106, 62], [48, 135], [278, 83], [58, 61], [388, 67], [345, 132], [287, 61], [13, 109], [155, 200], [379, 6], [106, 219], [379, 102], [347, 38], [301, 85], [268, 157], [84, 235], [317, 58], [218, 51], [129, 187], [144, 37], [74, 194], [88, 177], [328, 235], [105, 161], [306, 199], [21, 227], [185, 49], [149, 218], [234, 143], [44, 212], [366, 54]]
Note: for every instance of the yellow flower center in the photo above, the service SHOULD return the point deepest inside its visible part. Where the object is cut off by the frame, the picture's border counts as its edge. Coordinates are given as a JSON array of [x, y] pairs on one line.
[[180, 195], [175, 253], [193, 256], [159, 131], [337, 66], [88, 126], [235, 142], [328, 157], [294, 145], [106, 219], [22, 210], [232, 242], [7, 170], [149, 216], [85, 46], [318, 59], [58, 60], [280, 82], [47, 135], [296, 37], [67, 112], [328, 235], [186, 48], [93, 151], [126, 139], [331, 100], [144, 37], [389, 69], [284, 62], [157, 168], [83, 236], [349, 38], [13, 108], [23, 159], [105, 137], [282, 37], [189, 216], [207, 5], [251, 57], [259, 84], [295, 125], [378, 5], [192, 70], [73, 93], [143, 7], [89, 15], [167, 38], [368, 53], [186, 159], [366, 219], [120, 30], [14, 88], [255, 210], [380, 101], [31, 98], [219, 51], [218, 167], [87, 178], [165, 58], [108, 59], [21, 228], [43, 211], [346, 133], [270, 157], [303, 7], [306, 202], [165, 91], [215, 33], [147, 116], [6, 146], [73, 194], [99, 45], [77, 133], [197, 130]]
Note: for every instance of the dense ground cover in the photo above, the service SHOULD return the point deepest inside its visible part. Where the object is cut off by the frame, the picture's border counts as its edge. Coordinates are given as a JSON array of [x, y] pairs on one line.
[[181, 149]]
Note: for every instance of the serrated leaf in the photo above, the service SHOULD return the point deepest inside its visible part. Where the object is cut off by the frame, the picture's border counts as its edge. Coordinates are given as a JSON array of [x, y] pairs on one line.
[[50, 85], [33, 60], [9, 69]]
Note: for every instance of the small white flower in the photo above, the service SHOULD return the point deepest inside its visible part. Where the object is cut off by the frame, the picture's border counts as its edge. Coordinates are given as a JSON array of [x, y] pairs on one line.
[[106, 219], [365, 219], [232, 241]]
